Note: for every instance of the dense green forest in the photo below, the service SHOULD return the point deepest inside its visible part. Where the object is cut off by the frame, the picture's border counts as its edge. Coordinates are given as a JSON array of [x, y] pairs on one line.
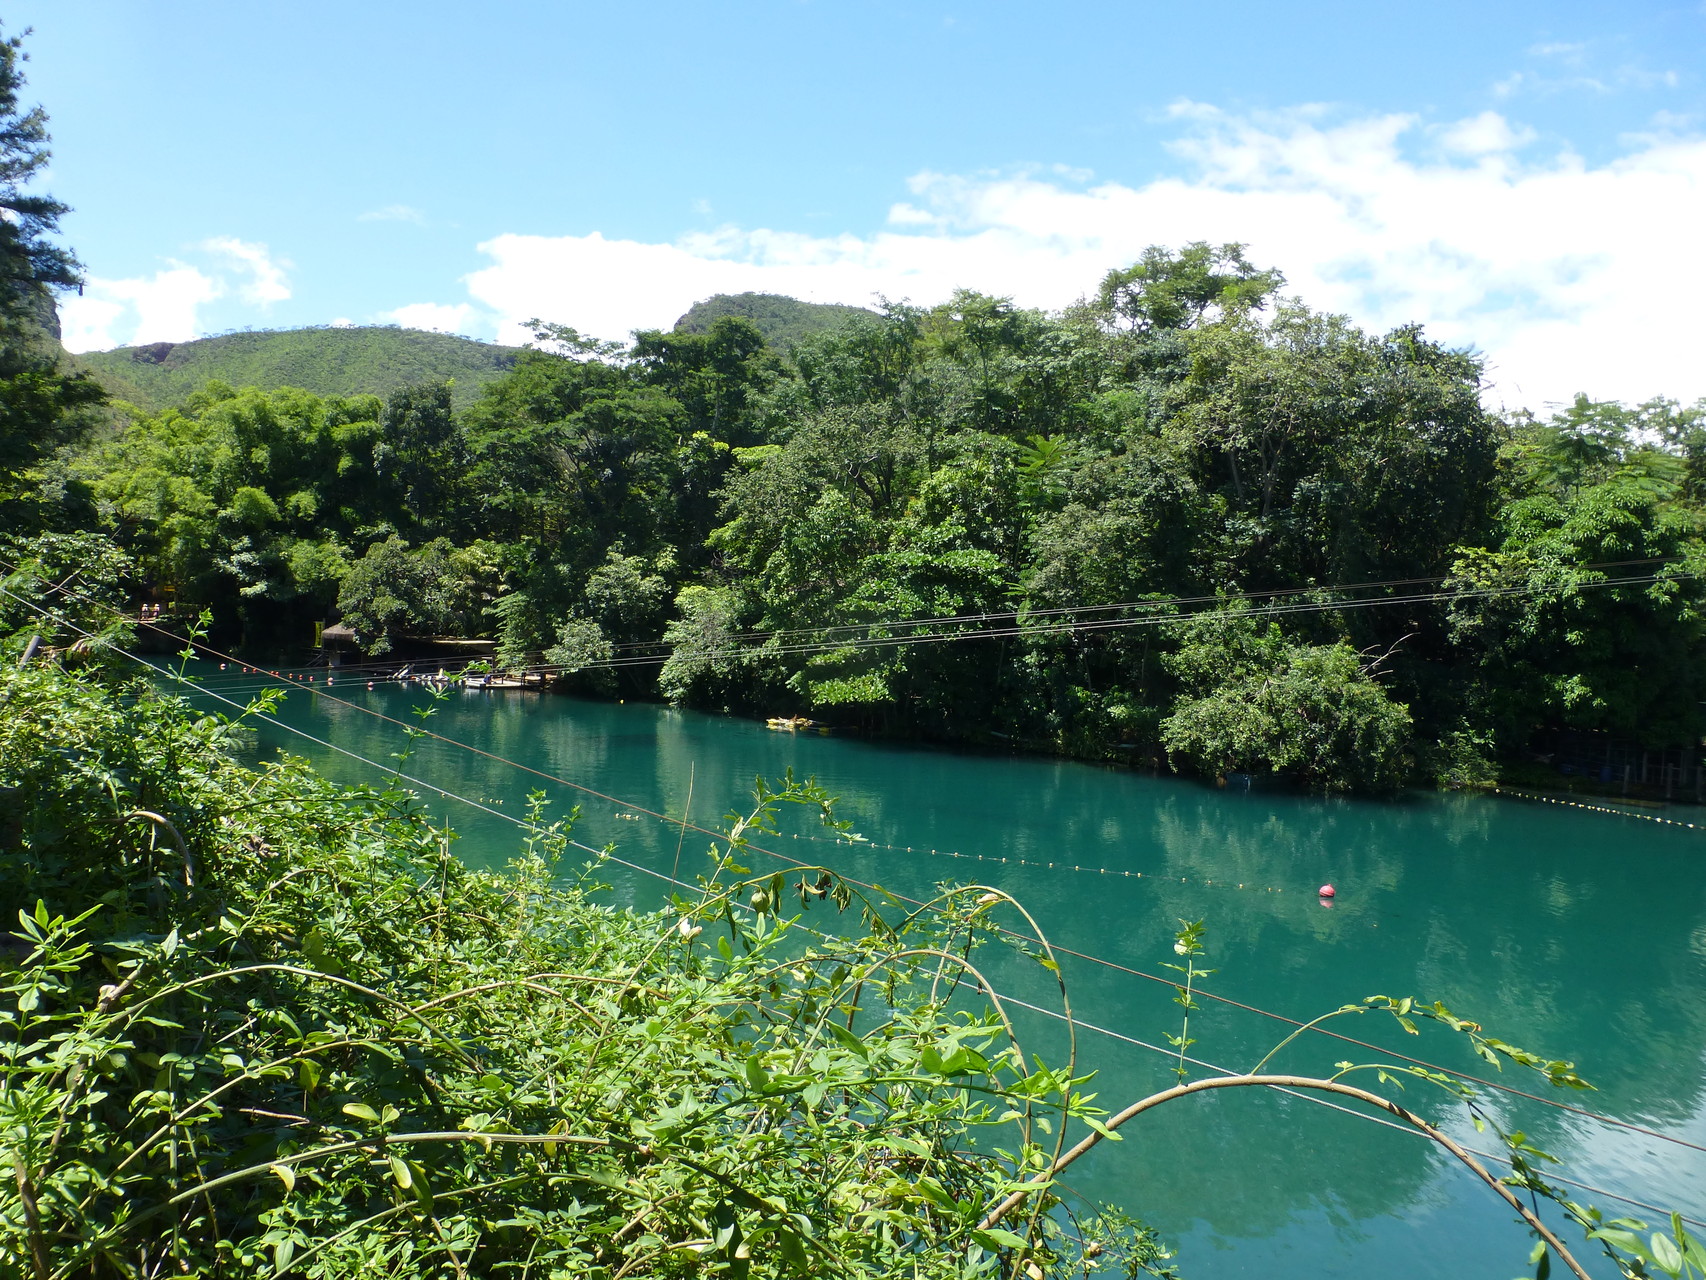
[[362, 360], [1187, 521]]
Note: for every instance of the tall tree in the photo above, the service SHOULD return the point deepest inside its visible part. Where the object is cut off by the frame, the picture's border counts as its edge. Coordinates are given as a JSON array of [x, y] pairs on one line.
[[1166, 290], [38, 401]]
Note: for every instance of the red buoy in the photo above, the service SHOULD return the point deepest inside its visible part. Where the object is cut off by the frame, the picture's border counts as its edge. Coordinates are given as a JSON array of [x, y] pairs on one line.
[[1327, 891]]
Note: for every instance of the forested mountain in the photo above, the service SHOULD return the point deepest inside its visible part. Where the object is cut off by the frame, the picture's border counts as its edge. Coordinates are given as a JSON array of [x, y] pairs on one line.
[[1184, 522], [783, 321], [366, 360]]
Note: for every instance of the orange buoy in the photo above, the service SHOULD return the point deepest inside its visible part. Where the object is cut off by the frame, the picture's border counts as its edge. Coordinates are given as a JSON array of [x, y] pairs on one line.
[[1327, 891]]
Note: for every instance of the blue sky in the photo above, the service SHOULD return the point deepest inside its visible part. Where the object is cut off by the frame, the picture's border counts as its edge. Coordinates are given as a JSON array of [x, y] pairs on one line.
[[1524, 178]]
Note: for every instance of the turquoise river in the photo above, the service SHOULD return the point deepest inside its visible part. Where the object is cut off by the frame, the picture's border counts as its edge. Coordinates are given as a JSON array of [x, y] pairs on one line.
[[1574, 933]]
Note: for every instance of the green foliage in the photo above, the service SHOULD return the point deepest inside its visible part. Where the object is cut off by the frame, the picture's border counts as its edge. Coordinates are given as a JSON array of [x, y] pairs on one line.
[[251, 1022], [393, 590], [64, 587], [1163, 290], [30, 263], [1188, 944], [782, 321], [365, 360], [42, 404], [1255, 702], [705, 665], [1547, 639]]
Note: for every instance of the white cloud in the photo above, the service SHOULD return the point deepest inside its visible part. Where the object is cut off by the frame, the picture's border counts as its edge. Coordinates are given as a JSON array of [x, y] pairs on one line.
[[343, 322], [1485, 134], [165, 307], [87, 320], [157, 308], [1569, 276], [446, 318], [393, 213], [266, 283]]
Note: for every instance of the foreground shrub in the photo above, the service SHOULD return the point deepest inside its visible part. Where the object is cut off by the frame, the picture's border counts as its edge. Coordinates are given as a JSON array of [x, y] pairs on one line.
[[254, 1023]]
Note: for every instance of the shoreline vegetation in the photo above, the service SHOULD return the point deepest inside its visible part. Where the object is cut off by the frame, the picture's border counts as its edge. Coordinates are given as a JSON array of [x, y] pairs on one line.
[[1188, 521], [700, 519]]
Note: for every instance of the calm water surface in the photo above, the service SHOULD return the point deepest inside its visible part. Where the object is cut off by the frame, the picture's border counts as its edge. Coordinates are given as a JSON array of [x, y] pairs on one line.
[[1574, 934]]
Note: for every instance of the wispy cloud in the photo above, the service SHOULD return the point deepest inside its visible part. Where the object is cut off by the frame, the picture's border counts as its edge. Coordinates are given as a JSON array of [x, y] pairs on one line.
[[1546, 263], [265, 281], [166, 306], [393, 213], [1579, 67], [444, 317]]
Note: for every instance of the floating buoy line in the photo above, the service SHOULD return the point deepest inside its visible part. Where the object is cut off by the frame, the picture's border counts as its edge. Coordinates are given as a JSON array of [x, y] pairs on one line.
[[1026, 862], [1597, 808]]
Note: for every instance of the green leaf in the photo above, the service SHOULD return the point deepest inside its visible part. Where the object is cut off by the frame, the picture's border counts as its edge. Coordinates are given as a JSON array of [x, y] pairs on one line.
[[400, 1171], [1666, 1256], [286, 1175], [995, 1238], [1112, 1135], [361, 1111], [793, 1250], [756, 1075], [423, 1188], [1628, 1241]]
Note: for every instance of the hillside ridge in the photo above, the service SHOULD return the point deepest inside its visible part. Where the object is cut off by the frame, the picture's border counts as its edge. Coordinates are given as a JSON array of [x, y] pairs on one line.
[[782, 320], [327, 360]]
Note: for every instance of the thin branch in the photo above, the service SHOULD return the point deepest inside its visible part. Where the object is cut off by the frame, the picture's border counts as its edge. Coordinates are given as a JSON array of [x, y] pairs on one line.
[[1136, 1109]]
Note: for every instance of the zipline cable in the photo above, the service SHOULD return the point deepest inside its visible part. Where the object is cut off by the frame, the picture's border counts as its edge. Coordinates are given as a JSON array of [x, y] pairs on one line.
[[829, 629], [1064, 950], [856, 644], [1118, 1036]]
